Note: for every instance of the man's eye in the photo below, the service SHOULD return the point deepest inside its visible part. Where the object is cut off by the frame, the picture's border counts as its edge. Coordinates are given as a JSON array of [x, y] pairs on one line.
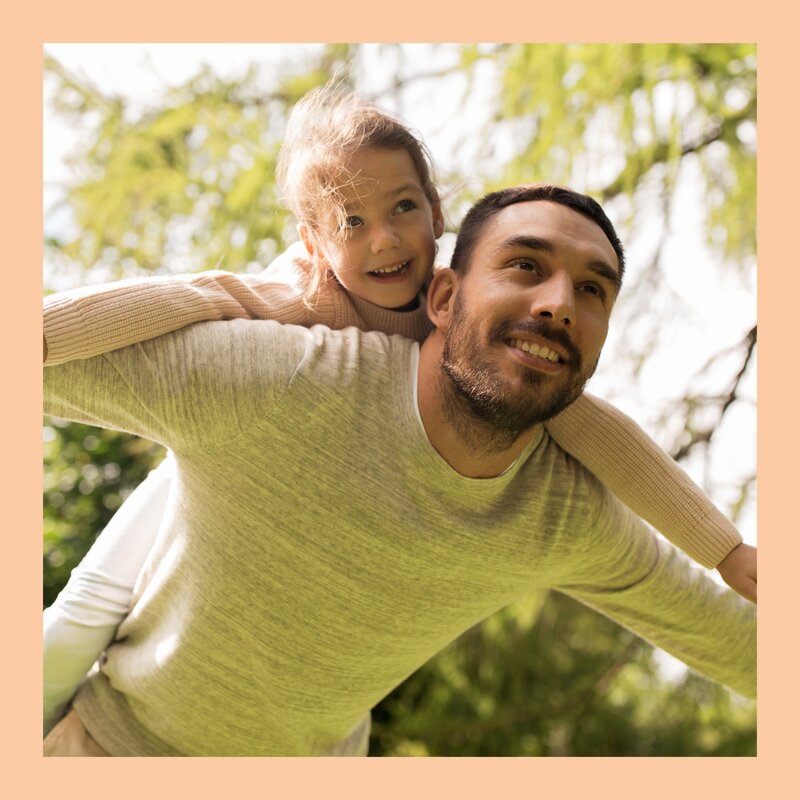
[[353, 222], [406, 205], [594, 289], [527, 265]]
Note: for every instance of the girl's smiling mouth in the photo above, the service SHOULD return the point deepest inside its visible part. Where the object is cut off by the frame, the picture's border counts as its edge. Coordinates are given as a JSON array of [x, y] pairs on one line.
[[391, 273]]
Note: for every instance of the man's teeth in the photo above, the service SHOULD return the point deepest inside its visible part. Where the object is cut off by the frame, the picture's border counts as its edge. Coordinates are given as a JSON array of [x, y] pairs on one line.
[[535, 349], [389, 270]]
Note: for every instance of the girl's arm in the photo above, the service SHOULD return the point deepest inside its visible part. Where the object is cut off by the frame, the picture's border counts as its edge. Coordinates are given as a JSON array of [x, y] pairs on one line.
[[82, 621], [650, 483], [92, 320]]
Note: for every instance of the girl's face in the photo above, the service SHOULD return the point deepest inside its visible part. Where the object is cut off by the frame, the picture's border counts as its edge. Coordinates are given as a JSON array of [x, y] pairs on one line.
[[389, 244]]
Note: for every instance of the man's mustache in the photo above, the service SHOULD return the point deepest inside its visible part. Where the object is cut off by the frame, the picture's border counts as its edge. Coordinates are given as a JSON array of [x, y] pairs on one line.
[[535, 327]]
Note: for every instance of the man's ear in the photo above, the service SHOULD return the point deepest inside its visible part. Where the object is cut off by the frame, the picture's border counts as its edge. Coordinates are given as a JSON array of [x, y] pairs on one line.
[[307, 238], [441, 295]]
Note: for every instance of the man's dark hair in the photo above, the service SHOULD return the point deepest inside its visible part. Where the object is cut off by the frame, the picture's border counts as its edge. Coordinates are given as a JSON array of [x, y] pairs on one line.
[[491, 204]]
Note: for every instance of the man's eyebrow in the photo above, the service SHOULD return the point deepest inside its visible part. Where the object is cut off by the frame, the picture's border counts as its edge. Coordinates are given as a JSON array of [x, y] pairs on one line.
[[528, 242], [600, 268], [605, 271]]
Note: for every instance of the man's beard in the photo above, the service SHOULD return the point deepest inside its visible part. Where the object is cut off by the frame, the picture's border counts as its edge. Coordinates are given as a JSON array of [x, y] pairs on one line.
[[478, 389]]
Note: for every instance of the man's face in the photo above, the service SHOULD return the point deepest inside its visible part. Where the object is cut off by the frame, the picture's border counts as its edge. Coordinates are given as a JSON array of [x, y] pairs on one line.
[[530, 316]]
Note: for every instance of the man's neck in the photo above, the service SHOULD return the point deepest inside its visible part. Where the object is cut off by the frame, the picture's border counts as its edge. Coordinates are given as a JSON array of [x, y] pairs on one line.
[[471, 447]]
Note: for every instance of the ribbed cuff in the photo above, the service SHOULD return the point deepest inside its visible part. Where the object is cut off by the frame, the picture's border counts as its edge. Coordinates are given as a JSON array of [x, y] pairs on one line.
[[64, 330], [712, 539]]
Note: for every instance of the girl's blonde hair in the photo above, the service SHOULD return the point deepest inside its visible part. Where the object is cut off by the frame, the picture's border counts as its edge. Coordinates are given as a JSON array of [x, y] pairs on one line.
[[326, 127]]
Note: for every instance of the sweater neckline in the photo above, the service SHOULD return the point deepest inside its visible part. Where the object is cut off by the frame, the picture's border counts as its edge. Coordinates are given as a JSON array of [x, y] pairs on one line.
[[434, 462], [411, 324]]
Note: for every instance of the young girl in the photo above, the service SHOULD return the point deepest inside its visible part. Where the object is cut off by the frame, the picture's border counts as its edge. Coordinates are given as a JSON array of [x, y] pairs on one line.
[[361, 186]]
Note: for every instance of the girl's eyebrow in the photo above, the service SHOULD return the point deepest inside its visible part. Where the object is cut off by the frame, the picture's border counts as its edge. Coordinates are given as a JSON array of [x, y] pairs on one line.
[[355, 206], [406, 187]]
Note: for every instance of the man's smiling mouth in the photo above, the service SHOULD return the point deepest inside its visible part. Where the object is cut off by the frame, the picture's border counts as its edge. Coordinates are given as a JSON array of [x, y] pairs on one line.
[[542, 351]]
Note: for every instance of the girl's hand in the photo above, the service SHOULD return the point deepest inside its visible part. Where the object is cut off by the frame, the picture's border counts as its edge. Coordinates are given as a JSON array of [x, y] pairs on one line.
[[738, 570]]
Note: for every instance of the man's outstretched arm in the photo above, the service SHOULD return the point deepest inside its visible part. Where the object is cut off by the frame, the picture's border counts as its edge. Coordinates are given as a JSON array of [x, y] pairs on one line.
[[196, 387], [648, 586]]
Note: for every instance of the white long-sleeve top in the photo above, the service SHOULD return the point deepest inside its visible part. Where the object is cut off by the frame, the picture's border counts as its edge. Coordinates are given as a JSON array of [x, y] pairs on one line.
[[82, 621]]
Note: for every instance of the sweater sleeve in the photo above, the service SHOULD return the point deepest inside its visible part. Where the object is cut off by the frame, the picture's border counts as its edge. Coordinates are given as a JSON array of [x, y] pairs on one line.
[[92, 320], [644, 477], [645, 584], [84, 617], [196, 387]]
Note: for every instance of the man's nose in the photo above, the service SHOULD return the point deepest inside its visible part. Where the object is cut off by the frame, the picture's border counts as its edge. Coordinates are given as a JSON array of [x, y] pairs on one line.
[[384, 237], [554, 300]]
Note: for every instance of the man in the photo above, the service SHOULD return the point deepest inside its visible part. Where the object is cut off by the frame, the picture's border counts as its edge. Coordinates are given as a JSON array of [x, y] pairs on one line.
[[402, 494]]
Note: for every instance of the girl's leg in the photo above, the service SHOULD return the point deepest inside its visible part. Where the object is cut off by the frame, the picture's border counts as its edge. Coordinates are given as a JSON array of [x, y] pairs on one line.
[[70, 738]]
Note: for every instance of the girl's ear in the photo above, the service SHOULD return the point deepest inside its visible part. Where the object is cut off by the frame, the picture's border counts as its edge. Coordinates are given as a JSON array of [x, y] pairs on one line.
[[307, 238], [441, 295], [438, 220]]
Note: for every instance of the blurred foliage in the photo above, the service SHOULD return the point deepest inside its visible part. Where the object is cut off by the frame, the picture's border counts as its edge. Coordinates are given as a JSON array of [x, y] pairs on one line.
[[88, 473], [187, 183], [549, 677], [638, 109]]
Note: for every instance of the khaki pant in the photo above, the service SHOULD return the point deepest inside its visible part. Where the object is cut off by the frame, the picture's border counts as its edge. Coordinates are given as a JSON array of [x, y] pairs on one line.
[[70, 738]]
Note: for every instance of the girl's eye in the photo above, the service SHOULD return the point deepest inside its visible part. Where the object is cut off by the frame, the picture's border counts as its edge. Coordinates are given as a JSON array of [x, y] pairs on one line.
[[353, 222], [406, 205]]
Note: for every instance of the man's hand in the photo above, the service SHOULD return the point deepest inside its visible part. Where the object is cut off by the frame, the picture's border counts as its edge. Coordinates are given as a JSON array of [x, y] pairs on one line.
[[738, 570]]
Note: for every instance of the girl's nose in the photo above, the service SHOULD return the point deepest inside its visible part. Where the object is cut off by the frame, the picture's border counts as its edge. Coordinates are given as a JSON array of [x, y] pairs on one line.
[[384, 237]]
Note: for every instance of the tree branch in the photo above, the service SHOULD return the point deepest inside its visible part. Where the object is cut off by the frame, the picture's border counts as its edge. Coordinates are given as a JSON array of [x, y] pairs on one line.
[[724, 400]]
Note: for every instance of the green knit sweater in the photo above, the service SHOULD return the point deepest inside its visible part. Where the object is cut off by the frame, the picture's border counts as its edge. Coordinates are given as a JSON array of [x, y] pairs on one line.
[[317, 549]]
